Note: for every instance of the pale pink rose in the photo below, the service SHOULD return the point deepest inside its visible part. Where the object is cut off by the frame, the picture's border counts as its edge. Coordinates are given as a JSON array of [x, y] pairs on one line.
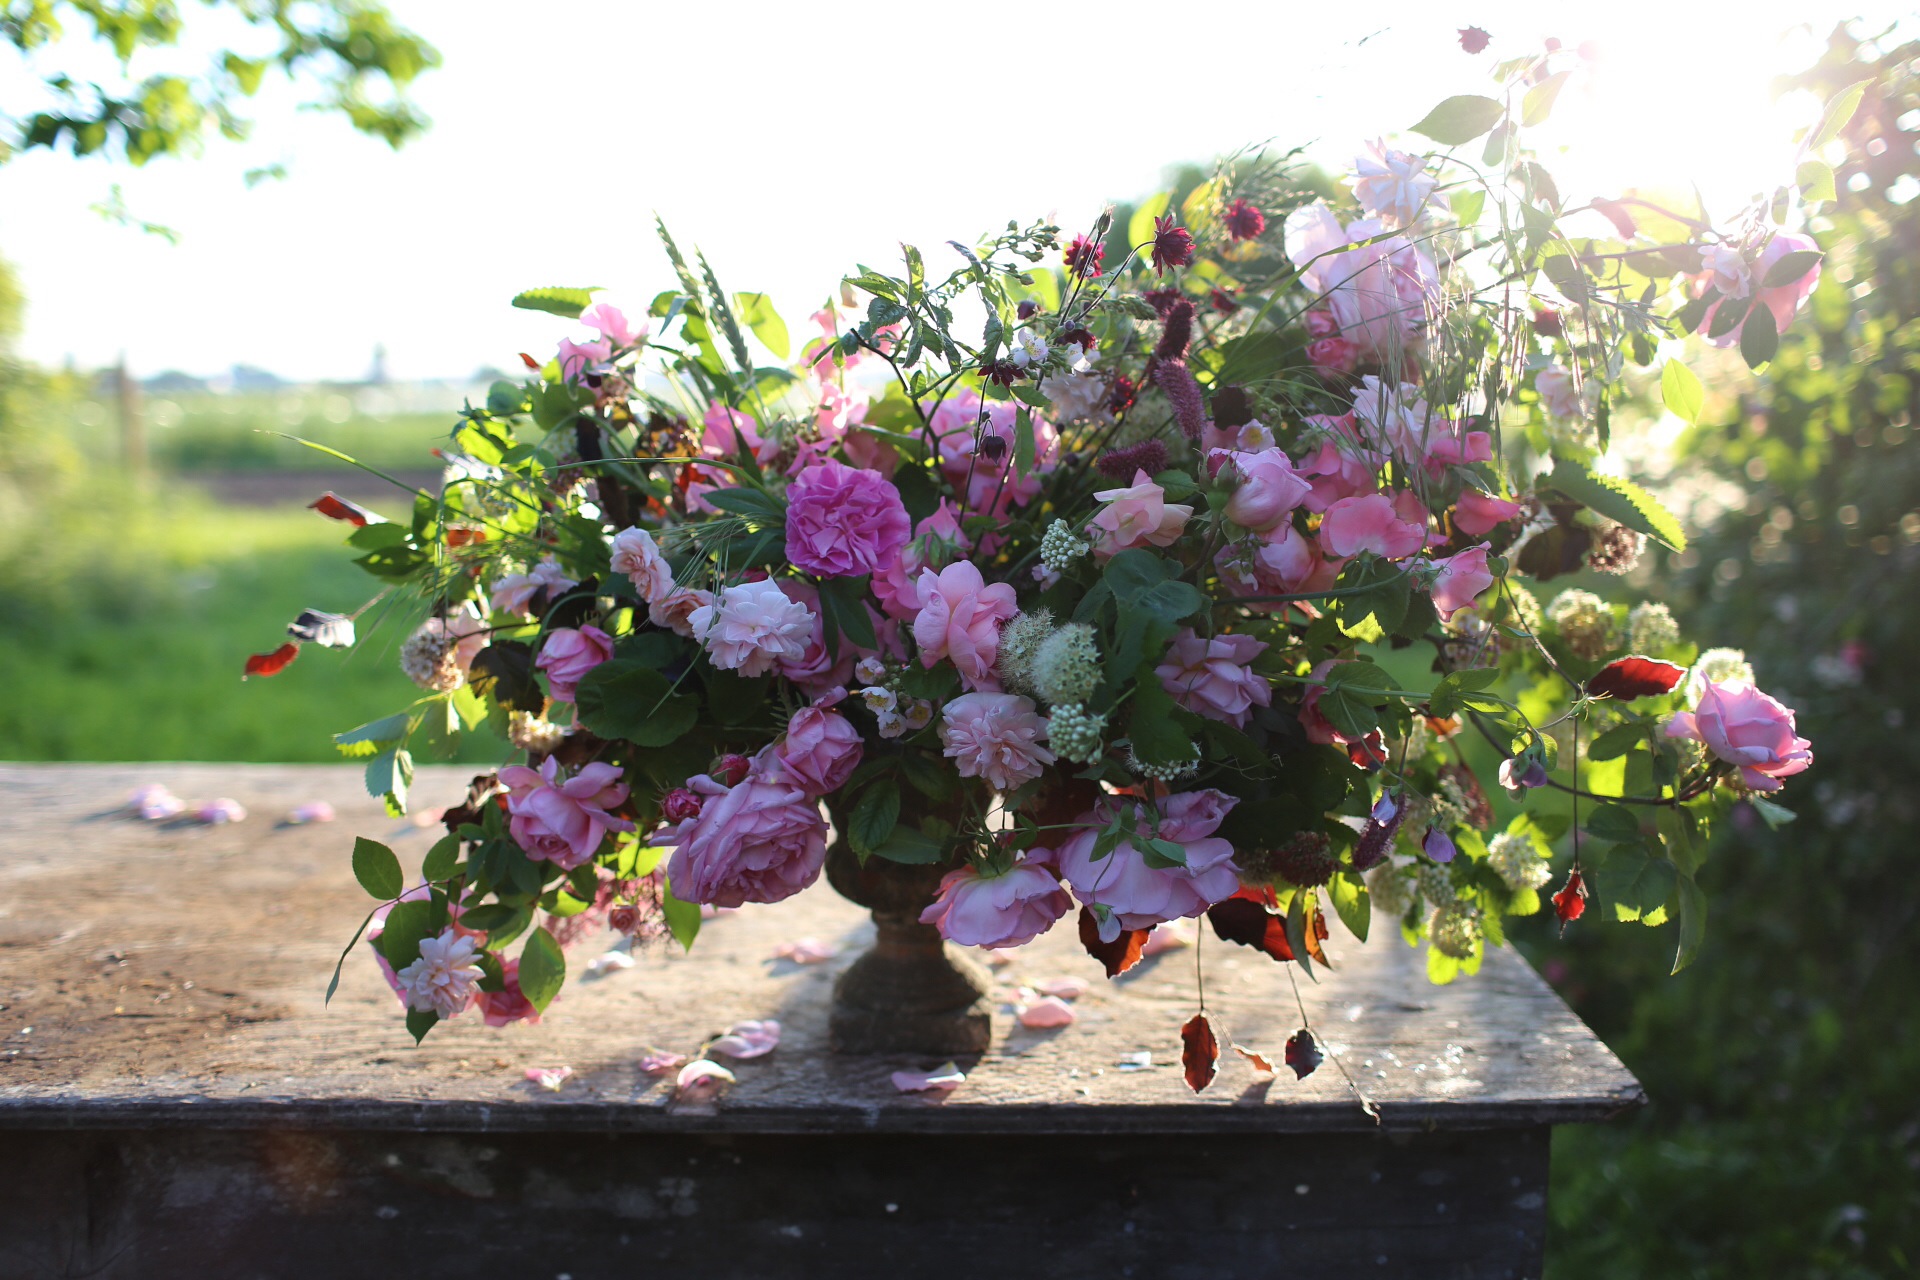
[[990, 487], [444, 980], [568, 655], [636, 555], [959, 620], [1727, 269], [1139, 515], [749, 627], [937, 542], [995, 736], [759, 841], [515, 592], [1370, 523], [613, 324], [1333, 355], [1214, 676], [1139, 896], [1269, 489], [1393, 185], [578, 358], [843, 522], [816, 668], [1460, 580], [1783, 300], [1477, 513], [1745, 727], [510, 1004], [997, 911], [1560, 392], [559, 819], [820, 751], [1378, 293], [675, 610]]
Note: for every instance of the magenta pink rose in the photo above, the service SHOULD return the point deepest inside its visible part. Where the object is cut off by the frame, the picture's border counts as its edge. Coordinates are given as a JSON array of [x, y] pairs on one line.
[[562, 820], [1370, 523], [761, 840], [1269, 489], [1745, 727], [1333, 355], [843, 522], [997, 911], [1783, 300], [569, 654], [1477, 513], [959, 620], [1139, 896], [995, 736], [821, 749], [1459, 580], [1138, 515], [1214, 676], [936, 541]]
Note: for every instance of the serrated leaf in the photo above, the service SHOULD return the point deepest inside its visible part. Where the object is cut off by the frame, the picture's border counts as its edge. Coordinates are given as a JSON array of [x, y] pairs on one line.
[[374, 736], [377, 869], [874, 817], [1460, 119], [556, 300], [1618, 500], [1681, 392]]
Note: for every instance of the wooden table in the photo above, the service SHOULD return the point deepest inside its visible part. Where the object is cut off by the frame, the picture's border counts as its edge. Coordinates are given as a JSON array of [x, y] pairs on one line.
[[175, 1100]]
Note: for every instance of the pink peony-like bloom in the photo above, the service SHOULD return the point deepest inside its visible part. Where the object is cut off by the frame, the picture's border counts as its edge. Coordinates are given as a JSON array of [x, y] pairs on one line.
[[761, 840], [816, 668], [1139, 896], [569, 654], [675, 610], [1783, 300], [515, 592], [1136, 516], [1726, 269], [509, 1004], [959, 620], [1477, 513], [1370, 523], [995, 736], [749, 627], [936, 542], [1460, 580], [1214, 676], [613, 324], [562, 820], [1269, 489], [1745, 727], [444, 980], [997, 911], [820, 751], [843, 522], [636, 555], [1378, 293]]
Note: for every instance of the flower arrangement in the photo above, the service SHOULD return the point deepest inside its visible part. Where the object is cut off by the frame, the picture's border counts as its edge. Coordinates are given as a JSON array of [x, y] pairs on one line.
[[1189, 567]]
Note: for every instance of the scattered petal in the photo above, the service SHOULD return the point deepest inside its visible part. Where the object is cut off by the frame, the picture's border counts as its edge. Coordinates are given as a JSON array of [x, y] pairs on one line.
[[219, 812], [1254, 1056], [1140, 1061], [701, 1081], [334, 507], [1169, 936], [610, 962], [943, 1077], [1066, 988], [271, 664], [805, 951], [1303, 1054], [549, 1078], [748, 1039], [1199, 1052], [425, 818], [1001, 957], [658, 1062], [1635, 677], [312, 811], [1045, 1011], [154, 802]]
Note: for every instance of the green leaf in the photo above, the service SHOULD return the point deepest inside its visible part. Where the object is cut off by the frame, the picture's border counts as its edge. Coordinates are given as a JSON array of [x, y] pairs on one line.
[[419, 1022], [1791, 267], [389, 774], [1460, 119], [1815, 180], [1467, 204], [1775, 815], [911, 846], [1538, 103], [333, 984], [843, 604], [377, 869], [1840, 109], [441, 859], [1619, 500], [1759, 338], [406, 925], [1140, 226], [556, 301], [874, 817], [1156, 736], [490, 917], [1613, 822], [1693, 921], [626, 699], [683, 918], [503, 671], [1023, 445], [757, 313], [1380, 590], [733, 699], [1446, 695], [1161, 854], [543, 969], [1681, 392], [371, 737], [1352, 903], [1616, 742], [761, 509]]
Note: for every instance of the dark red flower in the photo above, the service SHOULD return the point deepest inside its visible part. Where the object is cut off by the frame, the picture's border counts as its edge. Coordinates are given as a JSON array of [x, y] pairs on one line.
[[1183, 393], [730, 770], [1177, 333], [1027, 310], [679, 805], [1079, 335], [1162, 300], [1546, 322], [334, 507], [1121, 395], [1244, 222], [1172, 246], [1004, 372], [529, 361], [1571, 902], [1083, 257], [1223, 301], [1149, 456], [1473, 39], [271, 664], [624, 918]]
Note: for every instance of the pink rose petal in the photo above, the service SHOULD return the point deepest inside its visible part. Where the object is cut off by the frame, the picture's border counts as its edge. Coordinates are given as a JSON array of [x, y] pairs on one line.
[[701, 1081], [805, 951], [748, 1039], [1065, 988], [609, 962], [155, 803], [1046, 1011], [220, 812], [1169, 936], [313, 811], [941, 1078], [549, 1078], [658, 1062]]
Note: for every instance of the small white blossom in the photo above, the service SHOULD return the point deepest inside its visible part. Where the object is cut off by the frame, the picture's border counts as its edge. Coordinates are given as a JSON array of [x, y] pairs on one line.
[[870, 671], [1029, 349], [878, 699]]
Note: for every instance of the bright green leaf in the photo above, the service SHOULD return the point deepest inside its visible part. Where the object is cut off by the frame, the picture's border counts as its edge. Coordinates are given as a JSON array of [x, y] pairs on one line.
[[1460, 119], [1681, 391], [556, 301], [543, 969]]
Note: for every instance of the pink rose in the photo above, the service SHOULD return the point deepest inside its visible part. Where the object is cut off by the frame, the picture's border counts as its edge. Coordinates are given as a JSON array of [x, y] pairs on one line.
[[1333, 355], [1139, 896], [843, 522], [995, 736], [510, 1004], [1282, 561], [993, 485], [936, 542], [1783, 300], [816, 669], [1337, 473], [675, 610], [1461, 578], [1136, 516], [1378, 293], [749, 627], [636, 555], [759, 841], [1745, 727], [569, 654], [1214, 677], [1370, 523], [959, 620], [1477, 513], [1320, 323], [1561, 393], [997, 911], [821, 750], [562, 820], [1269, 489]]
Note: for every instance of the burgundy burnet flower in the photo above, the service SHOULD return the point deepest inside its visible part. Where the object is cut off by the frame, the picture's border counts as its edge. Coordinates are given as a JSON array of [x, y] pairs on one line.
[[1172, 246], [1083, 257], [1546, 322], [1473, 39], [1223, 301], [1149, 456], [1177, 333], [1027, 310], [1244, 221], [1121, 395], [1162, 300]]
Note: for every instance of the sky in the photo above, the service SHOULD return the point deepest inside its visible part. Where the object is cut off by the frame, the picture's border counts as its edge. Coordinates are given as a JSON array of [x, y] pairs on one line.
[[791, 141]]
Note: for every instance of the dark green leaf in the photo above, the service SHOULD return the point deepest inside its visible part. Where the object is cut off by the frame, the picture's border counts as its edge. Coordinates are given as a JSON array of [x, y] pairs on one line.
[[333, 984], [419, 1022], [543, 969], [503, 671], [1617, 741], [377, 869], [405, 926], [1760, 338], [1693, 921], [1619, 500], [912, 847], [1791, 267], [624, 699], [874, 817], [1613, 822], [683, 918]]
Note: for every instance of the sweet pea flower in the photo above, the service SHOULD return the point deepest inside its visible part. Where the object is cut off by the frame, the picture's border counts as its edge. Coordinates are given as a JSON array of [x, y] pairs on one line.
[[1392, 185], [1745, 727], [1460, 579], [1004, 910], [821, 748], [959, 620], [1138, 896], [636, 555], [568, 655], [1370, 523], [1477, 513], [576, 358], [843, 521], [1139, 515], [761, 840], [995, 736], [1783, 300], [1269, 488], [563, 820], [613, 325], [1214, 676], [749, 627], [1378, 293]]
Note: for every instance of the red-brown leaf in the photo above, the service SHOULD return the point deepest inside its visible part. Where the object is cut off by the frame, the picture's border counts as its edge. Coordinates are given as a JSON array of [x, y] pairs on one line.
[[1255, 1057], [1119, 955], [458, 537], [1199, 1052], [334, 507], [1303, 1054], [1369, 753], [271, 664], [1571, 902], [1244, 919], [1636, 677], [1316, 930]]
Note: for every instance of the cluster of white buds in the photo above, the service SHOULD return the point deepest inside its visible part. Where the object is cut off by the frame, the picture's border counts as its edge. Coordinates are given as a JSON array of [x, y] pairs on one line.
[[1584, 622], [1455, 929], [1436, 885], [1066, 667], [1651, 628], [1717, 666], [1392, 891], [1020, 640], [1515, 859], [1060, 546], [531, 732], [894, 713], [430, 658], [1164, 772], [1074, 733]]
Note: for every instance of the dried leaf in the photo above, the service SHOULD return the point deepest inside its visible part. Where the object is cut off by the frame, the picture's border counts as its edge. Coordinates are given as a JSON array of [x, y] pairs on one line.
[[1119, 955], [1316, 931], [1199, 1052], [334, 507], [1245, 919], [1635, 677], [1255, 1057], [1303, 1053], [271, 664]]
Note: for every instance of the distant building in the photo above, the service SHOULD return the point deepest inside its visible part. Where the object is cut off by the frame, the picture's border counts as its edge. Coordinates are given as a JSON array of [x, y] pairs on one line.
[[170, 382], [377, 372], [246, 377]]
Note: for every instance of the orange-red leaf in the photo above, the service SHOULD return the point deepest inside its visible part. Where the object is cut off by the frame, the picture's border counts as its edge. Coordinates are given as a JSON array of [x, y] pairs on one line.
[[459, 537], [271, 664], [1255, 1057], [1244, 919], [1636, 677], [1199, 1052], [1119, 955], [334, 507], [1316, 930]]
